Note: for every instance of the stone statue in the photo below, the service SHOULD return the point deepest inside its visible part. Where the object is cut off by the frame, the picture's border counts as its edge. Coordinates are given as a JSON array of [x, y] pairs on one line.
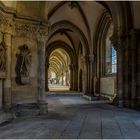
[[23, 65], [2, 60]]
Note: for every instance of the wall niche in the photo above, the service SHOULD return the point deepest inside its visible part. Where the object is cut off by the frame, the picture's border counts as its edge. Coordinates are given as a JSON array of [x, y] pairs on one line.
[[23, 65]]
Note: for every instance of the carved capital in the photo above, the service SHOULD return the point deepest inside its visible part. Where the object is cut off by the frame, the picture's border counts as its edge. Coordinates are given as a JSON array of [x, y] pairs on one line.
[[7, 24], [35, 31]]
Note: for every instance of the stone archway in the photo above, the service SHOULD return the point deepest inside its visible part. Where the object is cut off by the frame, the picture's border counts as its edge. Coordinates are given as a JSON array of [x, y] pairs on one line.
[[73, 65]]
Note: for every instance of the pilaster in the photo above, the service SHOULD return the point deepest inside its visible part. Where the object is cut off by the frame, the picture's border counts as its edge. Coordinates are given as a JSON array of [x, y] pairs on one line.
[[7, 28], [7, 81]]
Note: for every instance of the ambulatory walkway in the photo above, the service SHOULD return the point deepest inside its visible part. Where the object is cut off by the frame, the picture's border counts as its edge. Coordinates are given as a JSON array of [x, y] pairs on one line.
[[72, 117]]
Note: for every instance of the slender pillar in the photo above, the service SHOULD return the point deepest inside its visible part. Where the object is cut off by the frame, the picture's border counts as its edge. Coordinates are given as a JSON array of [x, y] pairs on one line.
[[41, 68], [75, 77], [120, 76], [71, 76], [67, 78], [46, 76], [7, 81], [86, 74], [89, 61], [91, 75], [62, 78], [41, 76]]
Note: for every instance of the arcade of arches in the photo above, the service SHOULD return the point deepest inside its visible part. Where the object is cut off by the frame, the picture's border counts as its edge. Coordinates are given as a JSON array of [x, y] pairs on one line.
[[82, 46], [58, 71]]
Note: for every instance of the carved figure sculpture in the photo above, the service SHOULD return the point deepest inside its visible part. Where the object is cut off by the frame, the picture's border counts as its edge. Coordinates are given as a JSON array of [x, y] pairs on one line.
[[23, 65], [2, 60]]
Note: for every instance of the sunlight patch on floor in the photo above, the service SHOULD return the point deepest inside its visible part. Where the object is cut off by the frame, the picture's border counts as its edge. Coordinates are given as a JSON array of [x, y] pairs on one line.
[[58, 88]]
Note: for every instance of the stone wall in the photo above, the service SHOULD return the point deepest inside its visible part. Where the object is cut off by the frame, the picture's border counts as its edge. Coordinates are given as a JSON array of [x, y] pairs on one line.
[[17, 31], [1, 94], [1, 79], [28, 92]]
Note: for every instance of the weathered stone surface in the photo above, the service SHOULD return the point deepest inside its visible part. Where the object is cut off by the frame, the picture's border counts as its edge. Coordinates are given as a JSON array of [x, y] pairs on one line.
[[27, 109], [43, 105], [74, 117], [6, 116]]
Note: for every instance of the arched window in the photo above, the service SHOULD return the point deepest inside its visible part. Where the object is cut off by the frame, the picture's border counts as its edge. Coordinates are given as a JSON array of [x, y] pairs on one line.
[[110, 54]]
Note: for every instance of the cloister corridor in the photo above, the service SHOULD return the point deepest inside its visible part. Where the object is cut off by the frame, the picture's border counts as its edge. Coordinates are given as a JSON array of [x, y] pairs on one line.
[[69, 69], [72, 117]]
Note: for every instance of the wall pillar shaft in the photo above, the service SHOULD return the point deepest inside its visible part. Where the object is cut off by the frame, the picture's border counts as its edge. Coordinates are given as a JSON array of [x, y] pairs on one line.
[[7, 81], [91, 74], [71, 76], [41, 68], [120, 80], [46, 76]]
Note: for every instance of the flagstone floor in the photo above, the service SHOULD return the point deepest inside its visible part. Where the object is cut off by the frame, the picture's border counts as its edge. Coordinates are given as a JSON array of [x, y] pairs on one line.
[[72, 117]]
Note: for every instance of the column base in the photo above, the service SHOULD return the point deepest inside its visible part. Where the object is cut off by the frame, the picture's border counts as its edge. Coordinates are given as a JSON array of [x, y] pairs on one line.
[[71, 89], [6, 116], [43, 105], [27, 109], [47, 89], [120, 103], [90, 98], [7, 98]]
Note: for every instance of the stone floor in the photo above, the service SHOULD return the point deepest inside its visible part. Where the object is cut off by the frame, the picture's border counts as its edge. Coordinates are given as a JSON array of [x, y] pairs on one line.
[[72, 117]]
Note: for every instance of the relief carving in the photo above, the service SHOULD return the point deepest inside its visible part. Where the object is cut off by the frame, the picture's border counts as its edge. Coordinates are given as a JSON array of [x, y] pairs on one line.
[[31, 31], [23, 65], [7, 24], [2, 60]]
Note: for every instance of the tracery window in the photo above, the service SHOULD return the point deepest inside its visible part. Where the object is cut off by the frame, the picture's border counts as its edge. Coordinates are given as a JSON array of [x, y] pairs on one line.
[[110, 54]]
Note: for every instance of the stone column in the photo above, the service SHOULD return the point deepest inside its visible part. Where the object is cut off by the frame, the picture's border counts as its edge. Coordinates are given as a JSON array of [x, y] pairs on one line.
[[135, 64], [71, 76], [85, 59], [41, 68], [91, 74], [7, 81], [62, 78], [75, 77], [67, 78], [1, 80], [119, 44], [41, 75], [120, 79], [46, 76]]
